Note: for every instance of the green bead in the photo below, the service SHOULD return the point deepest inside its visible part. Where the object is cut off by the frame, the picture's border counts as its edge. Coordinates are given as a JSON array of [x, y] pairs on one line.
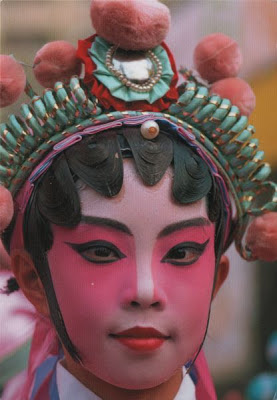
[[31, 120], [189, 93], [64, 100], [236, 144], [240, 125], [77, 91], [230, 119], [175, 109], [7, 172], [8, 157], [222, 110], [196, 102], [40, 110], [205, 112], [246, 170], [22, 132], [7, 137], [16, 125], [248, 198], [247, 185], [268, 190], [58, 115], [262, 173]]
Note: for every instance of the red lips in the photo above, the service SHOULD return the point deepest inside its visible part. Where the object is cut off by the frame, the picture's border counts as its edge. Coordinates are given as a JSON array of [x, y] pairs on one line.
[[141, 339]]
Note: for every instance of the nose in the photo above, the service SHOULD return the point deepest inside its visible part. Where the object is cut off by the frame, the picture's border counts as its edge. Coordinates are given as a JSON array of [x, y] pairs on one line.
[[143, 289]]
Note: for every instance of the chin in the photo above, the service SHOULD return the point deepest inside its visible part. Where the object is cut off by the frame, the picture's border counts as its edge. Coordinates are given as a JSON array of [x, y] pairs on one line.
[[136, 377], [139, 382]]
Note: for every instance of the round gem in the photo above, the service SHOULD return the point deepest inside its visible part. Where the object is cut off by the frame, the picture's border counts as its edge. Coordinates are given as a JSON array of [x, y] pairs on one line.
[[150, 130]]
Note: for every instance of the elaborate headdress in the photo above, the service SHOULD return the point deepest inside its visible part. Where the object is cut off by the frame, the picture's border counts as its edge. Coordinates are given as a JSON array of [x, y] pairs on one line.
[[130, 78]]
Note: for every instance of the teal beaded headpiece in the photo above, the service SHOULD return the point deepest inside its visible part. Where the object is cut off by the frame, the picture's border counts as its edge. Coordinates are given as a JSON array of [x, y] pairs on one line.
[[218, 127]]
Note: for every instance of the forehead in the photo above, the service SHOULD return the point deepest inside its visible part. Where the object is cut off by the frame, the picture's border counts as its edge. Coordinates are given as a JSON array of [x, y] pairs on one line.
[[140, 205]]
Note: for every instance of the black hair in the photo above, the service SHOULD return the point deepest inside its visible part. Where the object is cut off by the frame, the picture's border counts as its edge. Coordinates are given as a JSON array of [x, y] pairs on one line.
[[11, 286], [98, 161]]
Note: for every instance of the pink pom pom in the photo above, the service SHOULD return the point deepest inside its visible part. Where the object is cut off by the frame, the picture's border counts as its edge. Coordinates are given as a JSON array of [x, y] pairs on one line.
[[56, 61], [238, 92], [6, 208], [261, 237], [217, 56], [131, 24], [12, 80]]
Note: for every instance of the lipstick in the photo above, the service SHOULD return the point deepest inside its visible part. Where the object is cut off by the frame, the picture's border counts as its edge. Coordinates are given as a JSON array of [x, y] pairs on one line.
[[141, 339]]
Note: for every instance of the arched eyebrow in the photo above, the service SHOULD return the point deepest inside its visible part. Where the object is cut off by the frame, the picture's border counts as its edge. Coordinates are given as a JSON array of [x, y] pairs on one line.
[[182, 225], [112, 223], [107, 222]]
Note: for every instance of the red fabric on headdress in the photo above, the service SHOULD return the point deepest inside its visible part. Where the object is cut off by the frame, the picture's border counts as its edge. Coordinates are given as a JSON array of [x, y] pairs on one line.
[[105, 97]]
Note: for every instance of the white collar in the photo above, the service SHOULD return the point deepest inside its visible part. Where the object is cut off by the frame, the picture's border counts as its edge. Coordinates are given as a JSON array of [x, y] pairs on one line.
[[70, 388]]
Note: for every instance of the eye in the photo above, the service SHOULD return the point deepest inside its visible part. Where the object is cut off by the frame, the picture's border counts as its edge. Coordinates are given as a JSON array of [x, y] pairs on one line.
[[185, 253], [98, 251]]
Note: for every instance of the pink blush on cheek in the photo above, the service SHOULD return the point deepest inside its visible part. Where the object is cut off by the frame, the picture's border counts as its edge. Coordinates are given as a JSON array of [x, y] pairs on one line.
[[88, 293], [187, 288]]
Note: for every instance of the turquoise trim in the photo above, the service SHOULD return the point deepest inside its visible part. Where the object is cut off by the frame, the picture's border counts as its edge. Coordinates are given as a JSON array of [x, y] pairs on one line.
[[14, 363], [98, 52]]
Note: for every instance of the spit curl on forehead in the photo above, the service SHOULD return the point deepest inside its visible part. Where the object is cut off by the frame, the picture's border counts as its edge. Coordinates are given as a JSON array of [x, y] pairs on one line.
[[158, 195], [133, 194]]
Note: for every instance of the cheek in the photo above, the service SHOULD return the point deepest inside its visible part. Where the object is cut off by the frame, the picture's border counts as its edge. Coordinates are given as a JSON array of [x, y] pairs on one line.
[[87, 293], [188, 290]]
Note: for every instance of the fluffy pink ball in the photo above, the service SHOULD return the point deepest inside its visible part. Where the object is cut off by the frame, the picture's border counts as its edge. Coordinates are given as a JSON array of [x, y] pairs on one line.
[[238, 92], [217, 56], [56, 61], [131, 24], [261, 237], [6, 208], [12, 80]]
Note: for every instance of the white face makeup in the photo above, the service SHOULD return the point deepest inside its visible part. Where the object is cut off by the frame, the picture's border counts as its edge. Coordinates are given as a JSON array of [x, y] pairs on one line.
[[134, 281]]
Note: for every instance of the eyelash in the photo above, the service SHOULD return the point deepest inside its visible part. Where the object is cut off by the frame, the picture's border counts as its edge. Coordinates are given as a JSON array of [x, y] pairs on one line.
[[196, 248], [101, 245], [97, 245]]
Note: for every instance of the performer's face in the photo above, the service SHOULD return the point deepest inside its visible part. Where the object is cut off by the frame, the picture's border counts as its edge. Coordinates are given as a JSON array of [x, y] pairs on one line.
[[152, 266]]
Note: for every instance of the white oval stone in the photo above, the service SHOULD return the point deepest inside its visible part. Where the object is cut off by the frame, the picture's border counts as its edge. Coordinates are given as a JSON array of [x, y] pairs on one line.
[[150, 130]]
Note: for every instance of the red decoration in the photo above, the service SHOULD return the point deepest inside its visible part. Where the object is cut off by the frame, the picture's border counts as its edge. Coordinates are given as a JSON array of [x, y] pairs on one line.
[[107, 100]]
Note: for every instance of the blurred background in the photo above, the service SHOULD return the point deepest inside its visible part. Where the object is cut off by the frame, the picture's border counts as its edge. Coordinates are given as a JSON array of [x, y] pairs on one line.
[[245, 311]]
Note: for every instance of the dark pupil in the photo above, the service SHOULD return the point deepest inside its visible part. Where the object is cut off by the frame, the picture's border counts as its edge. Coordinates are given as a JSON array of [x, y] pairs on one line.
[[178, 253], [102, 252]]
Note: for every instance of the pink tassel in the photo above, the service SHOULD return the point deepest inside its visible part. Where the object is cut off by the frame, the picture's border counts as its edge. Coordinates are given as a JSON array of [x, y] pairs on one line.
[[204, 388], [6, 208], [45, 343], [261, 237]]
